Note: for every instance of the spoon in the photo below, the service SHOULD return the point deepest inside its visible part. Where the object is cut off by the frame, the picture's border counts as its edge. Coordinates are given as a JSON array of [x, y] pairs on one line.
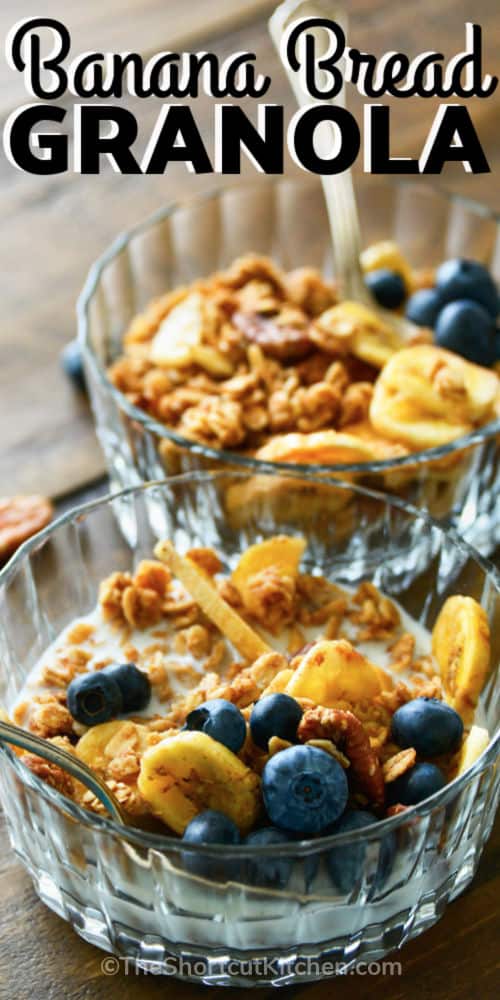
[[338, 189], [14, 735]]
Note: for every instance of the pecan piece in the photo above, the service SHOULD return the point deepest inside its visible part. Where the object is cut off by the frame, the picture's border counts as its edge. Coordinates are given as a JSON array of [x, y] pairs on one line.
[[20, 518], [287, 343], [349, 734]]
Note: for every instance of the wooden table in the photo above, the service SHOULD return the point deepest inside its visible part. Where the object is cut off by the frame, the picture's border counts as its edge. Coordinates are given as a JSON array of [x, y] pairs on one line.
[[53, 229]]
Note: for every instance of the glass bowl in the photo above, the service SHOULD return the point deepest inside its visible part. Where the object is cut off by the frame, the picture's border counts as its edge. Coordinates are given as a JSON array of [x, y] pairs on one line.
[[285, 219], [140, 895]]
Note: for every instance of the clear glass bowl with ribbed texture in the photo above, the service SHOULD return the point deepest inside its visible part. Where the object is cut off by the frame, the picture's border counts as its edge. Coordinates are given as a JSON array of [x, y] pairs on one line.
[[135, 893], [285, 219]]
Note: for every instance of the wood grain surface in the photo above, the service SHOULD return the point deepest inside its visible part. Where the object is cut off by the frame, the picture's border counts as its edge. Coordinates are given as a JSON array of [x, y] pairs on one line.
[[53, 228]]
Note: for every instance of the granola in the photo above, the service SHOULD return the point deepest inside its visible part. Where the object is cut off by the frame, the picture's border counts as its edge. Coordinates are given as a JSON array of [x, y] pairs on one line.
[[347, 659], [246, 357]]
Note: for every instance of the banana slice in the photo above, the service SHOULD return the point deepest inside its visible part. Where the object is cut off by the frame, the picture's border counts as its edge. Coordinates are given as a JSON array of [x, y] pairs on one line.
[[211, 360], [357, 329], [282, 552], [178, 342], [461, 645], [386, 254], [472, 748], [382, 447], [320, 447], [427, 396], [190, 772], [179, 333], [287, 499], [334, 671], [102, 744]]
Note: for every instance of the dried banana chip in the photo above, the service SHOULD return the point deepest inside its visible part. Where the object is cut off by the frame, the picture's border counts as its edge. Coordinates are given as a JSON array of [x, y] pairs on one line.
[[212, 360], [180, 332], [461, 645], [282, 552], [426, 397], [319, 447], [102, 744], [383, 448], [334, 671], [355, 329], [190, 772], [285, 500]]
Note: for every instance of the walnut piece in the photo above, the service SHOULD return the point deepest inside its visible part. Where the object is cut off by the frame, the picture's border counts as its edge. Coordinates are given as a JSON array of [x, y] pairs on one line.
[[348, 733]]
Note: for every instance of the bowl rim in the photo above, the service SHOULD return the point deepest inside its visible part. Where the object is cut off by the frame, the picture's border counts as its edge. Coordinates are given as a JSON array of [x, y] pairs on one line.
[[125, 238], [299, 848]]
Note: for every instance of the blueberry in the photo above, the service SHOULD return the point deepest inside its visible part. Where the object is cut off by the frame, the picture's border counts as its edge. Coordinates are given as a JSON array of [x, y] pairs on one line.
[[72, 364], [272, 872], [221, 720], [423, 307], [416, 785], [428, 725], [345, 863], [467, 279], [466, 328], [304, 789], [275, 715], [94, 698], [387, 287], [133, 683], [211, 827]]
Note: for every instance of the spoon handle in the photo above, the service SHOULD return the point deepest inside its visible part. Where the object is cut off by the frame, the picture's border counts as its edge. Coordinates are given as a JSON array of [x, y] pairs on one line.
[[338, 189], [18, 737]]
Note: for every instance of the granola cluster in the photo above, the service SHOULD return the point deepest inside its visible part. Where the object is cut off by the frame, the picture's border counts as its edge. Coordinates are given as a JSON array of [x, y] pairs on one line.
[[354, 726]]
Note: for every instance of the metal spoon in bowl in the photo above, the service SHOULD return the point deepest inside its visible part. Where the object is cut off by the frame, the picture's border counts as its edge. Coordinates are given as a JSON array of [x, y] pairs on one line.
[[338, 189], [14, 735]]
